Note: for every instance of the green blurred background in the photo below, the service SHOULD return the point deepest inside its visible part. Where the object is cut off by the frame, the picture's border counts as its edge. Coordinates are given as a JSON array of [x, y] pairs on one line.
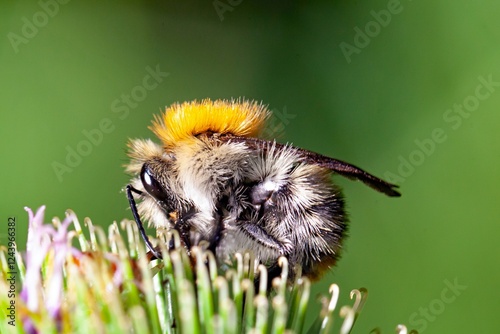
[[369, 92]]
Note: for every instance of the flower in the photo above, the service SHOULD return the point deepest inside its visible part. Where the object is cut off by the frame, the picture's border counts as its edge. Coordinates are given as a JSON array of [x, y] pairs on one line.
[[106, 284], [45, 243]]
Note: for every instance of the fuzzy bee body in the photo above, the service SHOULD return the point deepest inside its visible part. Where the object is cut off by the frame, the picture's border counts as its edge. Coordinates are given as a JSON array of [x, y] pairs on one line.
[[214, 182]]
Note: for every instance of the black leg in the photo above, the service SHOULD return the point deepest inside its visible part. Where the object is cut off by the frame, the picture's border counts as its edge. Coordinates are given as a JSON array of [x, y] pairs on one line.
[[256, 233], [137, 219]]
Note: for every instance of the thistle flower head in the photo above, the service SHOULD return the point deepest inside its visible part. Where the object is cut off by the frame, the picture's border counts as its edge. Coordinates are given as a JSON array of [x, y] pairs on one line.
[[108, 285]]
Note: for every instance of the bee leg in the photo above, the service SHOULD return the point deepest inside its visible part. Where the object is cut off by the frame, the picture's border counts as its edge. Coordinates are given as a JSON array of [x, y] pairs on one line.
[[137, 219], [259, 235]]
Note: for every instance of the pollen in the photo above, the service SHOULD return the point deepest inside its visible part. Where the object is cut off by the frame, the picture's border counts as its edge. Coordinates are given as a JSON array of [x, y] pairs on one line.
[[183, 122]]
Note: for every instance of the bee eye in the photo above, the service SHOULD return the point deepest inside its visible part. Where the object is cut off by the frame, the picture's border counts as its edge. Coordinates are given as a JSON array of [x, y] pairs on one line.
[[152, 186]]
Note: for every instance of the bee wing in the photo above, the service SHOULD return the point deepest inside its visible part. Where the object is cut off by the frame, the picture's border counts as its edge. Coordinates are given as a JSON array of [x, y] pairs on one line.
[[350, 171], [338, 166]]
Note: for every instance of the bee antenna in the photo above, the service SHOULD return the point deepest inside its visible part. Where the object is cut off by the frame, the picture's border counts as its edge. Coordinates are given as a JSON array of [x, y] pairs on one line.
[[137, 219]]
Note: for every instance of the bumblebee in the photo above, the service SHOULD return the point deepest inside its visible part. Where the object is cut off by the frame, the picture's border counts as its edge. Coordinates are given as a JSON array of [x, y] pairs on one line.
[[215, 181]]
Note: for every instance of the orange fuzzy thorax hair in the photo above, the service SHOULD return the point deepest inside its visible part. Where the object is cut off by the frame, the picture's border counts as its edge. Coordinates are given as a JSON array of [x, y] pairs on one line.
[[182, 122]]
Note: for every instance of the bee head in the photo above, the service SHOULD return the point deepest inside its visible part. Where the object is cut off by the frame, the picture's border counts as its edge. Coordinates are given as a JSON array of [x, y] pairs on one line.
[[154, 174], [156, 185]]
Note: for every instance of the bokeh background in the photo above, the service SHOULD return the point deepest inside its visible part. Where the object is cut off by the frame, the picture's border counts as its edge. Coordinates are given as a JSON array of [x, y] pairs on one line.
[[409, 90]]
